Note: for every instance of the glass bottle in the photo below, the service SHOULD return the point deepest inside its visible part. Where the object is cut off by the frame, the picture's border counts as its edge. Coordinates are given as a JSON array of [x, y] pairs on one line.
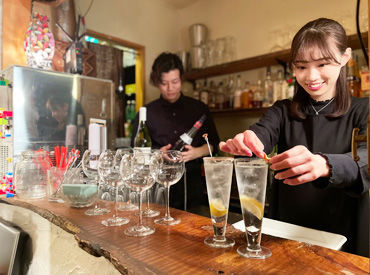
[[246, 99], [238, 93], [278, 87], [212, 95], [187, 138], [39, 44], [220, 96], [268, 99], [142, 139], [353, 83], [204, 94], [258, 95]]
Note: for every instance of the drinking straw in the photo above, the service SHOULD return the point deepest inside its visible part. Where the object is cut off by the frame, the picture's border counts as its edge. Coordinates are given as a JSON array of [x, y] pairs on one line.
[[205, 136]]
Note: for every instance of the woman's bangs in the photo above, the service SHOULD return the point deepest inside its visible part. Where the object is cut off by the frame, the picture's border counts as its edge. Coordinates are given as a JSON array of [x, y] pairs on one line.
[[308, 47]]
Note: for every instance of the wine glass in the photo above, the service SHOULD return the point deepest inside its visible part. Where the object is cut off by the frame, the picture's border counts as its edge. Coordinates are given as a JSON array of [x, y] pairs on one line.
[[90, 169], [138, 170], [108, 169], [128, 206], [171, 169]]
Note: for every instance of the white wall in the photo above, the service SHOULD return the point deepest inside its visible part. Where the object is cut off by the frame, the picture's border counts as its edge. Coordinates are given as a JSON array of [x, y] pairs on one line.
[[259, 26], [265, 26], [151, 23]]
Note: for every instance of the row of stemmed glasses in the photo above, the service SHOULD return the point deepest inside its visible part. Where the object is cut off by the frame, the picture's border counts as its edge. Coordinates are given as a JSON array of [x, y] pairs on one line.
[[139, 171]]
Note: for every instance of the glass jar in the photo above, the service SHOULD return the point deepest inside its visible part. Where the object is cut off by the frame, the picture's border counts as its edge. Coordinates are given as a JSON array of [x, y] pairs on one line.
[[39, 44], [31, 175]]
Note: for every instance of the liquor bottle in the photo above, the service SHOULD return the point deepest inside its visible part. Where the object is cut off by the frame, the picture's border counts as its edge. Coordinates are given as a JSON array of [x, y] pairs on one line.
[[204, 94], [220, 96], [212, 95], [246, 99], [197, 89], [229, 93], [352, 80], [142, 139], [258, 95], [187, 138], [237, 93], [269, 89], [278, 84]]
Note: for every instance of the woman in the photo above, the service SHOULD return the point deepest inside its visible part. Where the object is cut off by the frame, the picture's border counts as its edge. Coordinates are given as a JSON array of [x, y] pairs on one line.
[[172, 115], [318, 184]]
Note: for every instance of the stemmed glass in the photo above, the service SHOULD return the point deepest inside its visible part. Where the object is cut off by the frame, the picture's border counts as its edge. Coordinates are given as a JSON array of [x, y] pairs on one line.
[[108, 169], [90, 168], [171, 169], [138, 170], [128, 206]]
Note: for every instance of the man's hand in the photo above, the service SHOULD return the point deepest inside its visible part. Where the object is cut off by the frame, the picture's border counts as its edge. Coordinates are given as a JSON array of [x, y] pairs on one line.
[[191, 152]]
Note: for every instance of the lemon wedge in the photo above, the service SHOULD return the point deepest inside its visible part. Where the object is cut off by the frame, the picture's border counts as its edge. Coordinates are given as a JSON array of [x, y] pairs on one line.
[[252, 205], [217, 208]]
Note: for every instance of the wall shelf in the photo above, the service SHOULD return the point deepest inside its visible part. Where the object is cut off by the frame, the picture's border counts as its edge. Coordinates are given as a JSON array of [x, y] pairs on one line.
[[257, 62]]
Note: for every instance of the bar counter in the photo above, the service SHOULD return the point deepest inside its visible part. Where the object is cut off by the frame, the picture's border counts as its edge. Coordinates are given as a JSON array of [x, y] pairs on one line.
[[180, 249]]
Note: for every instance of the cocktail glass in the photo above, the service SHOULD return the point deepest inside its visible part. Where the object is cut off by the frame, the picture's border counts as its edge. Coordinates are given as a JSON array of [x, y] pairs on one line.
[[90, 169], [219, 171], [170, 171], [251, 177], [139, 171], [108, 169], [128, 206]]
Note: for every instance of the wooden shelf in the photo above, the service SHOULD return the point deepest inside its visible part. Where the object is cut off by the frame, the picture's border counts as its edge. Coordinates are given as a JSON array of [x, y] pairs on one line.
[[256, 111], [257, 62]]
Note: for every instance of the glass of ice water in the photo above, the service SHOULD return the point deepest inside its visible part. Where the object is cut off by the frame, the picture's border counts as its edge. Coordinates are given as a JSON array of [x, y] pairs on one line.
[[219, 171], [251, 178]]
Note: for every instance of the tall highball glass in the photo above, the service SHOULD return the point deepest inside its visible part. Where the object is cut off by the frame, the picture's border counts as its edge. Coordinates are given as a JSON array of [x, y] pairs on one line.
[[171, 169], [139, 171], [251, 177], [219, 171]]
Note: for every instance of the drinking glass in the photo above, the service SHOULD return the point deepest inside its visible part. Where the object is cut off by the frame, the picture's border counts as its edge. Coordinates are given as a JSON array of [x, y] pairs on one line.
[[128, 206], [251, 177], [108, 169], [138, 170], [219, 171], [171, 169], [90, 169], [148, 212]]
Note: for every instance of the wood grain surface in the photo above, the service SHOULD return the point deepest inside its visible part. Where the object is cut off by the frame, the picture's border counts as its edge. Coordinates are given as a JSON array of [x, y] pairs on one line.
[[180, 249]]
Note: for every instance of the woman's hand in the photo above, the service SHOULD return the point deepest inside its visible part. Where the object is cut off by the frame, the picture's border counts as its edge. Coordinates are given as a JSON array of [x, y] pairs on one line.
[[301, 166], [243, 144]]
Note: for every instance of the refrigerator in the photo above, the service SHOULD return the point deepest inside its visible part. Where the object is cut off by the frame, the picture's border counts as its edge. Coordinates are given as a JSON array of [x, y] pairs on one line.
[[41, 109]]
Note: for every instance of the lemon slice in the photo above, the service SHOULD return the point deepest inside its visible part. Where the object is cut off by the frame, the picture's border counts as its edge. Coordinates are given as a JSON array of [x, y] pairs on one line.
[[252, 205], [217, 208], [266, 158]]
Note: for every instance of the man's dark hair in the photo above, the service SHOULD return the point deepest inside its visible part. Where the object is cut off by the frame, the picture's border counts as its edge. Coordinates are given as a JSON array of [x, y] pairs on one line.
[[164, 63]]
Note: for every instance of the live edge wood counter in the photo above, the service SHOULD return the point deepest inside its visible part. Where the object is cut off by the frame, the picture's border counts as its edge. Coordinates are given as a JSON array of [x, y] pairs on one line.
[[180, 249]]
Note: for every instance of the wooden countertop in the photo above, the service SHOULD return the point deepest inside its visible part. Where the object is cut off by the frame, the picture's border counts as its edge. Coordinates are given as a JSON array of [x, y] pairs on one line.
[[180, 249]]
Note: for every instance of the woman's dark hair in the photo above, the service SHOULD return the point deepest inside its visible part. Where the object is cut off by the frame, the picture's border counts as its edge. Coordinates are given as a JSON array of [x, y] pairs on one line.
[[164, 63], [317, 33]]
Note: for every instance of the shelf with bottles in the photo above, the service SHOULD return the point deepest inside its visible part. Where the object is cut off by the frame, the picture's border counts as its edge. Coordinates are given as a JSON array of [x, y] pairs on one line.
[[250, 63]]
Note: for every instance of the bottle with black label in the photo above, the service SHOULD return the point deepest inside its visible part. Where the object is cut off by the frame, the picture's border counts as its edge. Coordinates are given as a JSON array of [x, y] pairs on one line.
[[187, 138], [142, 139]]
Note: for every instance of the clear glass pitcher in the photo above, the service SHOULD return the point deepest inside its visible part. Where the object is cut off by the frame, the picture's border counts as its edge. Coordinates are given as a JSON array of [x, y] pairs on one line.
[[31, 175]]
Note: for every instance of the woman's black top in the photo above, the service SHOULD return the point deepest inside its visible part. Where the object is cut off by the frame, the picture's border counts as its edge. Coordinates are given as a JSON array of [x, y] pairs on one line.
[[340, 203]]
